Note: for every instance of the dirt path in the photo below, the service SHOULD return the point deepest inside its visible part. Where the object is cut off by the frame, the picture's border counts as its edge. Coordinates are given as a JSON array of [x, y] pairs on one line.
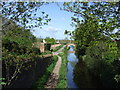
[[57, 52], [52, 82], [53, 53]]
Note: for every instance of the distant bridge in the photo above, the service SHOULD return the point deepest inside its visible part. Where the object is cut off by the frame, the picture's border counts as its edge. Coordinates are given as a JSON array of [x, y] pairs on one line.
[[71, 51], [70, 44]]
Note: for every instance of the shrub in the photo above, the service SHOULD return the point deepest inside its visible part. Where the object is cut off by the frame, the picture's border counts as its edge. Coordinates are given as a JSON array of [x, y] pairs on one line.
[[47, 46], [36, 51]]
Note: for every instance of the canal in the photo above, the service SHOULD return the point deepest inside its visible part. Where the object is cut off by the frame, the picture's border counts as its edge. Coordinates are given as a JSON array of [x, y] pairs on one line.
[[72, 60]]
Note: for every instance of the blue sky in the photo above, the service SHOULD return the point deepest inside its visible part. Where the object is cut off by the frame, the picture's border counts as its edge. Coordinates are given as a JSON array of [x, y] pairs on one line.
[[60, 21]]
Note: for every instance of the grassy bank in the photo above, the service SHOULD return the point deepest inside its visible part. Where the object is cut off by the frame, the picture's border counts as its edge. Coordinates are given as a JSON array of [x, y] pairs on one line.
[[46, 52], [82, 77], [44, 78], [99, 66], [62, 82]]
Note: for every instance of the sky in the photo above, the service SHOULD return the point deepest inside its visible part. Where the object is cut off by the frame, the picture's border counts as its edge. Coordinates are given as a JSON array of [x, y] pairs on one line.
[[60, 21]]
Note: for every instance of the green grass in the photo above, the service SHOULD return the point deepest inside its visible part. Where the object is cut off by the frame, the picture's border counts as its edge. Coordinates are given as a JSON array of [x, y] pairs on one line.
[[44, 78], [47, 52], [62, 82], [57, 48]]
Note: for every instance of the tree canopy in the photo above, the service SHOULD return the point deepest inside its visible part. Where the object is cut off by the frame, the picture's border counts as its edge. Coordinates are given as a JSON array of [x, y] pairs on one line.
[[50, 40], [24, 13], [106, 14]]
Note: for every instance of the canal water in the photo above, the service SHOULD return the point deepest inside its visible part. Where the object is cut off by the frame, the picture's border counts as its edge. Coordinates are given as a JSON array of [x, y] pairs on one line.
[[72, 60]]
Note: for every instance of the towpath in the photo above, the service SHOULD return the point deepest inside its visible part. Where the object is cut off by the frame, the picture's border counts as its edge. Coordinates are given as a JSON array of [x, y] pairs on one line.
[[52, 82]]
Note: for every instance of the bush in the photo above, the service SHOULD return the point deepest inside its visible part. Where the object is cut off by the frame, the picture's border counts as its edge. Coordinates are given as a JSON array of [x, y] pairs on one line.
[[36, 51], [10, 45], [14, 47], [47, 52], [47, 46]]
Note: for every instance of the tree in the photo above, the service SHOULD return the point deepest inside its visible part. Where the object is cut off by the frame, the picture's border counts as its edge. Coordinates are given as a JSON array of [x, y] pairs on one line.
[[50, 40], [84, 34], [99, 20], [16, 47], [23, 13], [93, 36], [18, 19], [105, 13], [18, 34]]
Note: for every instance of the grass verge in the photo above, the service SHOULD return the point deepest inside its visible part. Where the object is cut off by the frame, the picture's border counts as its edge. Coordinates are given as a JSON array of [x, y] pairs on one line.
[[47, 52], [57, 48], [44, 78], [62, 82]]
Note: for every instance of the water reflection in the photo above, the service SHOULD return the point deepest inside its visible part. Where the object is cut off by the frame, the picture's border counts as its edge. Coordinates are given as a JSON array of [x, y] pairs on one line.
[[72, 60]]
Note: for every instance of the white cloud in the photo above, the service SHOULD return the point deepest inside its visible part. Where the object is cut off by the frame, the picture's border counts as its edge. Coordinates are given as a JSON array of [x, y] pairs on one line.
[[63, 19], [52, 29]]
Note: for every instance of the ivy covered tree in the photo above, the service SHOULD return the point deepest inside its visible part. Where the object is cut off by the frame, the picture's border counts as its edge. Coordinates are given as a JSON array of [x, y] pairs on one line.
[[18, 19]]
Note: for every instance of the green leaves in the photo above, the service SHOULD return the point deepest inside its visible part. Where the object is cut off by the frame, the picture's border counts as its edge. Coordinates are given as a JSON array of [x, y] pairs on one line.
[[1, 82], [40, 19], [66, 32], [102, 12], [93, 38], [66, 3], [50, 40], [18, 34], [23, 12], [43, 12]]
